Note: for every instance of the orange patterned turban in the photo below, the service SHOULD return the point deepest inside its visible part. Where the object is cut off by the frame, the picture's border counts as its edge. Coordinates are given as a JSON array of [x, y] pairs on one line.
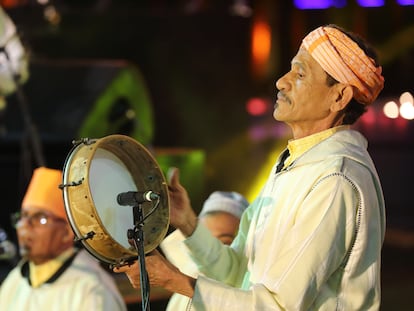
[[345, 61], [43, 192]]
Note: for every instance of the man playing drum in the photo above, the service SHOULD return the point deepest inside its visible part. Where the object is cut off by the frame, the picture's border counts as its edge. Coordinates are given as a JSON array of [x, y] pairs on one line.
[[312, 239]]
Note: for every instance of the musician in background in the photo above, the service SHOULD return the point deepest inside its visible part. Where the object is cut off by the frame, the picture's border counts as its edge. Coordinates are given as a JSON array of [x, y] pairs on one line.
[[53, 273], [221, 215], [8, 254]]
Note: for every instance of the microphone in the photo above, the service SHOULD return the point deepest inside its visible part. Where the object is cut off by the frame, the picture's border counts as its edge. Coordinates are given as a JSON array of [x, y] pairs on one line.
[[132, 198]]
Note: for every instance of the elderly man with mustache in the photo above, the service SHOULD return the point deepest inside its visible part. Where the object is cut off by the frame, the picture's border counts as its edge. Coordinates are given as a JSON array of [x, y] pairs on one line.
[[312, 239]]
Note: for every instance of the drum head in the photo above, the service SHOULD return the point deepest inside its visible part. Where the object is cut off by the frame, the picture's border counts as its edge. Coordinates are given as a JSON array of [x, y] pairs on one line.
[[95, 172]]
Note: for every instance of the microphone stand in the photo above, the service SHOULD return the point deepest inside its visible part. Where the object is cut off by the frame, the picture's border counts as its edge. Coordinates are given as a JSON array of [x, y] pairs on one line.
[[137, 235]]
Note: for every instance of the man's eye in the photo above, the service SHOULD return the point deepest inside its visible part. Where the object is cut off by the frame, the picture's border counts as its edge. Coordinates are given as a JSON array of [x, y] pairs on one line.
[[40, 218]]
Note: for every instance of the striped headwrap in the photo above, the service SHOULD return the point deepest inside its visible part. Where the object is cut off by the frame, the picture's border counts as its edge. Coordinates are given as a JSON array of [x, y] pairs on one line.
[[345, 61]]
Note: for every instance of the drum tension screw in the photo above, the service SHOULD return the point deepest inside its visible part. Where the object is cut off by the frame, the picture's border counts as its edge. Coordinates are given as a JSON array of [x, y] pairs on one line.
[[72, 184], [85, 141], [89, 235]]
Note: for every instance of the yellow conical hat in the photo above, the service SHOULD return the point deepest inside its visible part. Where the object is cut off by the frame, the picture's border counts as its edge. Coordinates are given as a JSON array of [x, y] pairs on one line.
[[43, 192]]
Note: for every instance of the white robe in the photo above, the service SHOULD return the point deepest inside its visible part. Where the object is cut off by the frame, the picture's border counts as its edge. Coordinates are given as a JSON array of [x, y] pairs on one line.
[[310, 241], [83, 286]]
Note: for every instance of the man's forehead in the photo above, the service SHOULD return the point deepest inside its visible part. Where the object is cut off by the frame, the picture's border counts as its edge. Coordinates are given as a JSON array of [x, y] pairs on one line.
[[32, 209], [304, 60]]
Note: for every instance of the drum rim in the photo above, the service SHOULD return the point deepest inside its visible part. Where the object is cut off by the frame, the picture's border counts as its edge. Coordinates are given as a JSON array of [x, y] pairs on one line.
[[132, 254]]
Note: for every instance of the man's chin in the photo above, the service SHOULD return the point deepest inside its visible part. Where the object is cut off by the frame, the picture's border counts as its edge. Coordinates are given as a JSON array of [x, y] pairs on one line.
[[277, 116]]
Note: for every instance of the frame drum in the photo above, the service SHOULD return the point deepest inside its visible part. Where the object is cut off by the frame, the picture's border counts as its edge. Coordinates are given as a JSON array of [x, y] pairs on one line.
[[95, 172]]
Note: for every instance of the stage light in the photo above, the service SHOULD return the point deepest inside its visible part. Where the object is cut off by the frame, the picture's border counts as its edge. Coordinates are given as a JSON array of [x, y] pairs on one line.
[[391, 110], [407, 106], [405, 2], [260, 46], [241, 8], [406, 97], [52, 15], [319, 4], [371, 3], [407, 111], [257, 106]]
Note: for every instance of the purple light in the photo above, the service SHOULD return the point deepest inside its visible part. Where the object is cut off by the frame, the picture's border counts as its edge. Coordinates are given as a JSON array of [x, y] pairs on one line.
[[325, 4], [318, 4], [405, 2], [371, 3]]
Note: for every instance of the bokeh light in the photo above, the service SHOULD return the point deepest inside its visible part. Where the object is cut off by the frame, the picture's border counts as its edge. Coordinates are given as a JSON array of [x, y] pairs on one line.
[[391, 110], [406, 97], [257, 106], [407, 110], [371, 3]]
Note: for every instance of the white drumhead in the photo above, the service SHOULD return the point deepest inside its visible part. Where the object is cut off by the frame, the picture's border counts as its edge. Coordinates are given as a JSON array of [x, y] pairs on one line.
[[108, 176]]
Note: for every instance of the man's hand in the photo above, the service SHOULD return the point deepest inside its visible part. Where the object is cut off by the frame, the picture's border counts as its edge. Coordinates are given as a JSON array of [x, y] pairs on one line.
[[182, 215], [161, 273]]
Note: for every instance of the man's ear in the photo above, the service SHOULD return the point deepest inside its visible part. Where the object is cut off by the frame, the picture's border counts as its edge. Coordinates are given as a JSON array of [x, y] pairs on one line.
[[343, 94]]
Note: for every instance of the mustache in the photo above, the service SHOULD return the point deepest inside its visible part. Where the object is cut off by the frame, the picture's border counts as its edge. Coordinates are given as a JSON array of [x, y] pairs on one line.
[[283, 96]]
